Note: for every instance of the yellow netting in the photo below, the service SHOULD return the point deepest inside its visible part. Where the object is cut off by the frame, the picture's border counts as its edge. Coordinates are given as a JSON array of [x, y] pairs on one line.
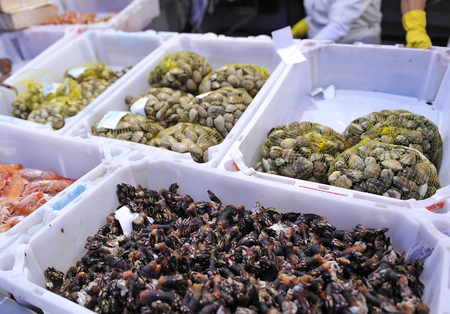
[[238, 75], [399, 127], [302, 150], [182, 70], [385, 169]]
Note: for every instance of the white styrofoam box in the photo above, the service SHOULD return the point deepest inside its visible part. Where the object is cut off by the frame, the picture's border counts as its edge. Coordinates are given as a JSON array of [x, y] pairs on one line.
[[116, 49], [23, 47], [133, 15], [52, 248], [218, 50], [366, 78], [69, 157]]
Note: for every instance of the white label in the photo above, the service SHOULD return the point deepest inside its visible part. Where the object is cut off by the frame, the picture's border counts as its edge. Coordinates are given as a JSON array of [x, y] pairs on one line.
[[48, 86], [111, 119], [76, 72], [201, 96], [420, 251], [286, 47], [139, 106], [125, 217]]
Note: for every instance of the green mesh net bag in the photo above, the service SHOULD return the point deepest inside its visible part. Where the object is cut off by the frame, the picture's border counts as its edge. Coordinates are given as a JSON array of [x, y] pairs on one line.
[[238, 75], [161, 104], [219, 109], [399, 127], [302, 150], [29, 100], [182, 70], [384, 169], [188, 138], [126, 126]]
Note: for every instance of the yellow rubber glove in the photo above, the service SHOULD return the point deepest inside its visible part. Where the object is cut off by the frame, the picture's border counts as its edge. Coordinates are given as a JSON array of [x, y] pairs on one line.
[[414, 23], [300, 29]]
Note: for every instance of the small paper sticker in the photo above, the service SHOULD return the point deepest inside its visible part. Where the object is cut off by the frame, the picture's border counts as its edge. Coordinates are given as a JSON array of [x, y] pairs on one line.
[[286, 47], [420, 251], [48, 86], [139, 106], [125, 217], [76, 72], [201, 96], [111, 119]]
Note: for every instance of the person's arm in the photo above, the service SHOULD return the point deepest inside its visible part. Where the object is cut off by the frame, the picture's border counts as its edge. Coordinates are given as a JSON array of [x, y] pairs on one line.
[[415, 22]]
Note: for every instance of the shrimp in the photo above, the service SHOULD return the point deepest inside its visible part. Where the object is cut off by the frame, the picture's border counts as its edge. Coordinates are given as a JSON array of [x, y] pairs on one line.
[[11, 169], [37, 174], [46, 186], [30, 203], [12, 221], [15, 189], [4, 227]]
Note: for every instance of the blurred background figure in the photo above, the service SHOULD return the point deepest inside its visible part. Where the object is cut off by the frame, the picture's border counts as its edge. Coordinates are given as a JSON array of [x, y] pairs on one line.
[[415, 22], [342, 21]]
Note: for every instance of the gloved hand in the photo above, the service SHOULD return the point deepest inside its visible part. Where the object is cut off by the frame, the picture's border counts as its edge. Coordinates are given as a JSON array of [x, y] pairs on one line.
[[300, 29], [414, 23]]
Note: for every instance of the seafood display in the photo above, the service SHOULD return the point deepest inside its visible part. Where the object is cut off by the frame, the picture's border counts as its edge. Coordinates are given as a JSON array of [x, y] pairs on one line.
[[52, 107], [74, 17], [130, 127], [384, 169], [188, 138], [184, 256], [219, 109], [399, 127], [163, 105], [238, 75], [180, 70], [23, 190], [302, 150]]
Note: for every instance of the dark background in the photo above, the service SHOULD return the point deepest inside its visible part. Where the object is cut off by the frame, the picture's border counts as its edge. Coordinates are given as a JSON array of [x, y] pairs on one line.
[[256, 17]]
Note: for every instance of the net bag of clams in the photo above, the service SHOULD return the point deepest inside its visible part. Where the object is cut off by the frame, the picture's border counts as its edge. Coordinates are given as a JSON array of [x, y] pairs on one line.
[[126, 126], [161, 104], [302, 150], [238, 75], [399, 127], [384, 169], [188, 138], [220, 109], [29, 100], [182, 70]]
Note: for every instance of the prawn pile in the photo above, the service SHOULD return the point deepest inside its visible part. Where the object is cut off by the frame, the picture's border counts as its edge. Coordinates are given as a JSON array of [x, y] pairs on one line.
[[22, 191]]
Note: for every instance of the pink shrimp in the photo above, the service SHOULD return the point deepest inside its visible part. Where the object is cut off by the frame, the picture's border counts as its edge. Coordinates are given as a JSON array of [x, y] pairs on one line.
[[37, 174], [14, 220], [4, 227], [46, 186], [11, 169], [30, 203], [15, 189]]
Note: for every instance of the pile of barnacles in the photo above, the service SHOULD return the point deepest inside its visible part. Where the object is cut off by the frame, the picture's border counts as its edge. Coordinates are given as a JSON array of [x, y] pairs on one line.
[[204, 257]]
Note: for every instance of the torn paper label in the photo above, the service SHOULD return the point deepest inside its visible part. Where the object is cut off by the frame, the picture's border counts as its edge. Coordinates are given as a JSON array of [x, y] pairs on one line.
[[139, 106], [125, 217], [76, 72], [286, 47], [111, 119], [328, 92]]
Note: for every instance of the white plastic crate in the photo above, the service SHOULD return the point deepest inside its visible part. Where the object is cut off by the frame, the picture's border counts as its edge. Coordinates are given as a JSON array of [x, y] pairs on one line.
[[22, 47], [133, 15], [218, 50], [116, 49], [69, 157], [367, 78], [51, 247]]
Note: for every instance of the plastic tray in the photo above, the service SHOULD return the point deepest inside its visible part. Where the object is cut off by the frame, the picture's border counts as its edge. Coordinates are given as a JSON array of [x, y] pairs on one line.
[[367, 78], [40, 150], [51, 247], [218, 50], [133, 15], [110, 46]]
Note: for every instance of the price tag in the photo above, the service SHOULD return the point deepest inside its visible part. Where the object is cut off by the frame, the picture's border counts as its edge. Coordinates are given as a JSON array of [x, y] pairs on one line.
[[111, 119], [48, 86], [139, 106], [125, 217], [76, 72]]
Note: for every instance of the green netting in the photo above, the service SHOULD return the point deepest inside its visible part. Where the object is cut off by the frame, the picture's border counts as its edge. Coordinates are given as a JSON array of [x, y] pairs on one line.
[[164, 105], [182, 70], [399, 127], [188, 138], [219, 109], [385, 169], [238, 75], [302, 150], [131, 127]]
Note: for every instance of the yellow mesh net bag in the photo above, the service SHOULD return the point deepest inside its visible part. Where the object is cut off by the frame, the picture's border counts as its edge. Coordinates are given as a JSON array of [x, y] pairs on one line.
[[182, 70], [302, 150], [384, 169], [238, 75], [399, 127]]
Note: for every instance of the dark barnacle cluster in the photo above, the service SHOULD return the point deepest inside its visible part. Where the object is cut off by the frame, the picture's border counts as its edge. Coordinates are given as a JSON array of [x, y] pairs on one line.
[[203, 257]]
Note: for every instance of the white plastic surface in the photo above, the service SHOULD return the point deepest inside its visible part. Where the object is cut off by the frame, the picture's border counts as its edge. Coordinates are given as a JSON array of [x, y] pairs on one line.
[[218, 50], [133, 15], [51, 247], [366, 78], [116, 49], [40, 150]]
